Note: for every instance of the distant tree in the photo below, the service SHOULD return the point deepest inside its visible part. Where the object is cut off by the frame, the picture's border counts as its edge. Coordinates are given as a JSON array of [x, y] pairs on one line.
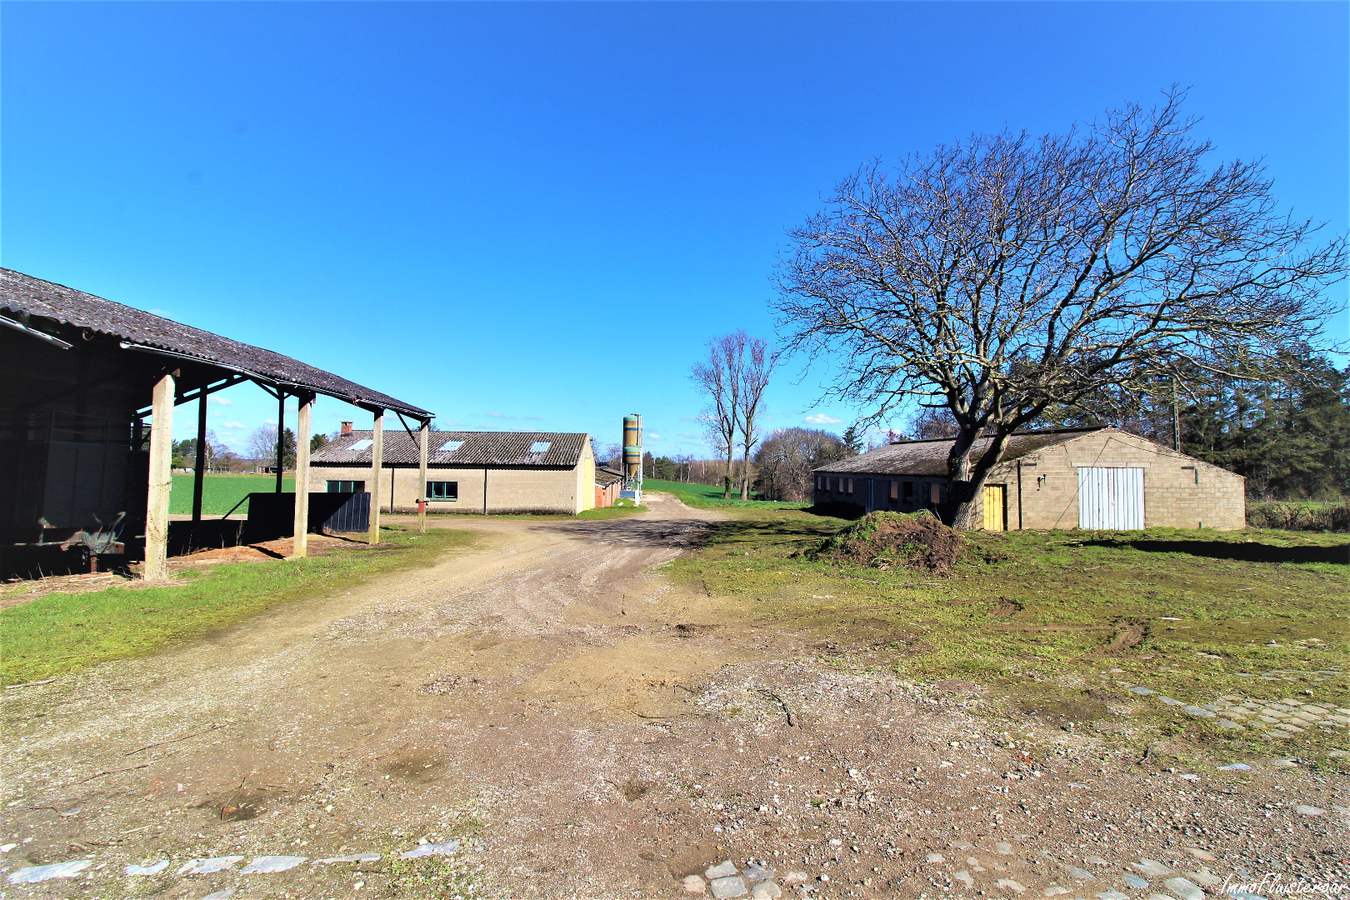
[[288, 448], [262, 445], [185, 452], [853, 439], [931, 422], [785, 462], [756, 367], [317, 442], [1007, 275], [613, 456], [719, 377]]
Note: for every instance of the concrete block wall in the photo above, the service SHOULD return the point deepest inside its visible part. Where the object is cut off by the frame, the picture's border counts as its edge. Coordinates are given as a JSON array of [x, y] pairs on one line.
[[1179, 491], [508, 490]]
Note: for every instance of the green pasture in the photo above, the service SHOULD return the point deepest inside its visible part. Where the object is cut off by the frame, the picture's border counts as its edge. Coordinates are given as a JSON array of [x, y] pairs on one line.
[[221, 493], [706, 496]]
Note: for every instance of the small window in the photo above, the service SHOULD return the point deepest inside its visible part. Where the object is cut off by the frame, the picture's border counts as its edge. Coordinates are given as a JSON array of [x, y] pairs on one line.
[[449, 446], [361, 444], [346, 487], [540, 446], [850, 485], [909, 490], [935, 495], [442, 490], [895, 490]]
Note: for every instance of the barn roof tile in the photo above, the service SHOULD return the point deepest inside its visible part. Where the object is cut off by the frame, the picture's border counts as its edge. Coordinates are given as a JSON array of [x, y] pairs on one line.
[[461, 448], [24, 296], [928, 459]]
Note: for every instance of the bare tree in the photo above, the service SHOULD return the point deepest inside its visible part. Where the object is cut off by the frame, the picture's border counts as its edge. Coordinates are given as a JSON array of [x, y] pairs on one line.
[[719, 376], [787, 458], [1009, 274], [931, 422], [757, 364], [262, 444]]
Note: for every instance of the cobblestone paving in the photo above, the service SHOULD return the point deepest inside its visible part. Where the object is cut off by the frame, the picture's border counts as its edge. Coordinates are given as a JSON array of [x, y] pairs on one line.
[[1272, 719]]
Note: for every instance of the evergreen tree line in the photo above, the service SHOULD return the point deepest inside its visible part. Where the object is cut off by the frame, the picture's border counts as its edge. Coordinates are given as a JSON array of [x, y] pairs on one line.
[[1290, 438]]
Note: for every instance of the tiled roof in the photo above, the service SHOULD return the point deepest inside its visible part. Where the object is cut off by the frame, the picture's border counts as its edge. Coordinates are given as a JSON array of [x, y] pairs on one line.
[[606, 477], [474, 448], [24, 296], [929, 458]]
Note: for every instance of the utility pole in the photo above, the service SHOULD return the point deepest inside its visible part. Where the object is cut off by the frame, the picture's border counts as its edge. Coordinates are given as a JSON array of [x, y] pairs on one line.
[[1176, 418]]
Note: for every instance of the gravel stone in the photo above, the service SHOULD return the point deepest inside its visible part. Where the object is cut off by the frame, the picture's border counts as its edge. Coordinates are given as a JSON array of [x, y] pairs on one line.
[[1184, 888], [766, 890], [728, 887]]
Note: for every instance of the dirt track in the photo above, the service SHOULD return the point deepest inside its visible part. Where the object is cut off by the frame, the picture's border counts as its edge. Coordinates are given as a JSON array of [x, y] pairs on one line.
[[587, 729]]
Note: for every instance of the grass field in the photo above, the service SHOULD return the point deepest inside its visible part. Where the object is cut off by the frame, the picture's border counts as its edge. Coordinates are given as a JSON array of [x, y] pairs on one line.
[[1040, 617], [61, 633], [705, 496], [220, 493]]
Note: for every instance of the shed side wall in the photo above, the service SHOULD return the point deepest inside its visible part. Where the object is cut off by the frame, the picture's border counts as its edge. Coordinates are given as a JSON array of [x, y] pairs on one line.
[[1179, 491], [508, 490]]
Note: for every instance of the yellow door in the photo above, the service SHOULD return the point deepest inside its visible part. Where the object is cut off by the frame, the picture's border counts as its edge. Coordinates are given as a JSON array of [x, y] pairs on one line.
[[993, 507]]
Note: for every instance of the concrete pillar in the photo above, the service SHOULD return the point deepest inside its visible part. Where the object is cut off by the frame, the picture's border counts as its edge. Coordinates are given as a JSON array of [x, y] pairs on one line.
[[161, 480], [300, 548], [376, 463], [423, 436]]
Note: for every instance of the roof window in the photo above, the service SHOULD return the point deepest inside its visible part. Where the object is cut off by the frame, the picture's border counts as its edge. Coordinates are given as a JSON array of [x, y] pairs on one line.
[[450, 446], [361, 444], [540, 446]]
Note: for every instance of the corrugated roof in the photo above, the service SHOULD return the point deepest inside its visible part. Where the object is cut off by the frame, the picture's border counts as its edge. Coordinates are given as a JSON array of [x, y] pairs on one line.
[[606, 477], [928, 459], [27, 296], [476, 448]]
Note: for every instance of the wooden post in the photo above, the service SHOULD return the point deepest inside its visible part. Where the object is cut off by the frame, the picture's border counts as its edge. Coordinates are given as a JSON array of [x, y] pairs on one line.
[[201, 459], [161, 480], [423, 436], [281, 432], [376, 463], [300, 548]]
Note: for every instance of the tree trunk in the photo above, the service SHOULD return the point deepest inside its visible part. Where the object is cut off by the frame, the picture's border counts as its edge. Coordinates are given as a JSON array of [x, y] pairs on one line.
[[967, 478], [726, 482], [745, 474]]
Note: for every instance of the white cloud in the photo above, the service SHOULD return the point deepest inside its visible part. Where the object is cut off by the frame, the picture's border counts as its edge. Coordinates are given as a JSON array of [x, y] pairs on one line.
[[222, 401], [232, 425], [270, 421], [655, 437], [822, 419]]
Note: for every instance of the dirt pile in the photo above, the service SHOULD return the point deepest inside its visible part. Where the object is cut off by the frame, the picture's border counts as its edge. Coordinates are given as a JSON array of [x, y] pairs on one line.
[[885, 540]]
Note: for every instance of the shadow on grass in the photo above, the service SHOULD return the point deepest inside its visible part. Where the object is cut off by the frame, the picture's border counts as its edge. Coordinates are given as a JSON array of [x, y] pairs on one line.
[[1245, 552]]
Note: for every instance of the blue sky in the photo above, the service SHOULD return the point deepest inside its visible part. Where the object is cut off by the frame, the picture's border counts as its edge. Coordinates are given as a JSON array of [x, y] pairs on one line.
[[533, 216]]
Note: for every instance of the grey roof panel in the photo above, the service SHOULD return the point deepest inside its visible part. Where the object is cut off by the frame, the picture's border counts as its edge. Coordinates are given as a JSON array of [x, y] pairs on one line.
[[27, 296], [928, 459], [476, 448]]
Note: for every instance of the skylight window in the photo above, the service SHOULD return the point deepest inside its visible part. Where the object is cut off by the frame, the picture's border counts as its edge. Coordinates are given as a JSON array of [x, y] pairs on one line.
[[540, 446], [361, 445], [450, 446]]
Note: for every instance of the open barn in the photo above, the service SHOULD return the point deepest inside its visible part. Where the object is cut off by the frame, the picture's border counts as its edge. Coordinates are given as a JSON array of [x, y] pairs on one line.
[[1097, 478], [86, 424]]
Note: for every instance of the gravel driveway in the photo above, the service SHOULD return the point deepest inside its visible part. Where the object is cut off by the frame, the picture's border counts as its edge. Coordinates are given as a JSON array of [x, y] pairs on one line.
[[546, 715]]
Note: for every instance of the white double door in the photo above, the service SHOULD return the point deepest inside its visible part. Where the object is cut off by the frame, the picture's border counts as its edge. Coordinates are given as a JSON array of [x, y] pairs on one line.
[[1110, 499]]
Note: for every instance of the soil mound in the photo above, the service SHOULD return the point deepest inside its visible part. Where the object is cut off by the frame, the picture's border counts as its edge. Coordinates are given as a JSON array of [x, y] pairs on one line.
[[885, 540]]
